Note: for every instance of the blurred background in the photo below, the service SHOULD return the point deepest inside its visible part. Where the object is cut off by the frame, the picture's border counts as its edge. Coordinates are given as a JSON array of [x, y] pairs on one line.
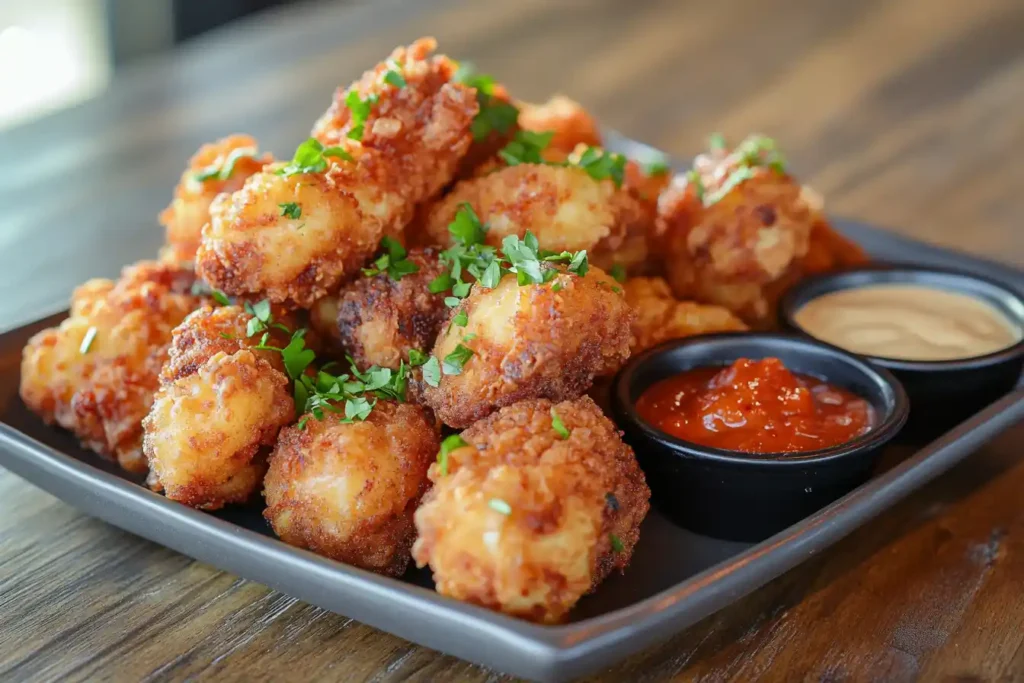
[[57, 53]]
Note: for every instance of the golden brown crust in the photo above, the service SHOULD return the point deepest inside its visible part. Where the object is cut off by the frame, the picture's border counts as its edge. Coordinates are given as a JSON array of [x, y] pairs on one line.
[[661, 317], [184, 218], [745, 249], [531, 342], [380, 319], [563, 206], [103, 394], [566, 500], [208, 432], [348, 490]]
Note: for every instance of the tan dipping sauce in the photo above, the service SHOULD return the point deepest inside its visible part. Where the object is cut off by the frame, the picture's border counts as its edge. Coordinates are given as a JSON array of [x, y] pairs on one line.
[[908, 322]]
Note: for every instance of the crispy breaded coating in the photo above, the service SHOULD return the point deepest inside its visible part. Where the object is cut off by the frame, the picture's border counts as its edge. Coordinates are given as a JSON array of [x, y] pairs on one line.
[[380, 319], [348, 490], [571, 124], [96, 373], [532, 341], [562, 205], [323, 319], [742, 244], [236, 158], [220, 406], [421, 129], [525, 520], [661, 317], [412, 142]]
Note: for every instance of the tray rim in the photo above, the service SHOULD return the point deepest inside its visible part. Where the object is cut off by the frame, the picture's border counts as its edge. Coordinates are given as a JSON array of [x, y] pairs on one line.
[[477, 634]]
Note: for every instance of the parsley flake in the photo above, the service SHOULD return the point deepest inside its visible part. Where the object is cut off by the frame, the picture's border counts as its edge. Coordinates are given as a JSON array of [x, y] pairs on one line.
[[693, 178], [393, 75], [311, 157], [494, 114], [393, 261], [602, 165], [291, 210], [500, 506], [460, 319], [655, 165], [716, 142], [617, 546], [432, 372], [87, 340], [618, 272], [226, 169], [526, 148], [417, 357], [558, 425], [456, 360], [447, 446], [360, 107]]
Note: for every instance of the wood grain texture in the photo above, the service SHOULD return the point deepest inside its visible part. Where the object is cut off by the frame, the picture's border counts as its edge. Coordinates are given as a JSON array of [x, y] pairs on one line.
[[905, 114]]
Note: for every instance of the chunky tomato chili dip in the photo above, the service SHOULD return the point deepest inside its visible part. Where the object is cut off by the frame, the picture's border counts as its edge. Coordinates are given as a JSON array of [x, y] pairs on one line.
[[755, 406]]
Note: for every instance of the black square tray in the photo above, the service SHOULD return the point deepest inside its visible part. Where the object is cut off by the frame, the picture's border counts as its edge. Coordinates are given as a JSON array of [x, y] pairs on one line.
[[675, 579]]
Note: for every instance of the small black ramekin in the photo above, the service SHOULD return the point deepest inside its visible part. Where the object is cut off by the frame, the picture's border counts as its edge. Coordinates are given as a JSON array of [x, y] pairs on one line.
[[942, 393], [743, 496]]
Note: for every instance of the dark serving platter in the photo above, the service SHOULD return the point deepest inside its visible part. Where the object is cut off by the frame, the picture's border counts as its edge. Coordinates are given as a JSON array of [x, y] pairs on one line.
[[676, 577]]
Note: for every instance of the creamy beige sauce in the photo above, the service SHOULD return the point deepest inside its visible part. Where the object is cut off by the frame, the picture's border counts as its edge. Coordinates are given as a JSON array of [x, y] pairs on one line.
[[908, 322]]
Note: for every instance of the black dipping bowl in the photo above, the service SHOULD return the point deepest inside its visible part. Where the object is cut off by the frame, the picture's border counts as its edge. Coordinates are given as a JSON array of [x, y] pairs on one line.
[[743, 496], [942, 393]]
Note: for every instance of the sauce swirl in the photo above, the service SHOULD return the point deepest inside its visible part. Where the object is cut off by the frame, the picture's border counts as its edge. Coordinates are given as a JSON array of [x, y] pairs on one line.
[[755, 406]]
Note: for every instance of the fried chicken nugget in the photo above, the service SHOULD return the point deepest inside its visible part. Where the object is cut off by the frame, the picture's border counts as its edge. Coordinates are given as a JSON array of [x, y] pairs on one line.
[[563, 206], [412, 142], [571, 124], [532, 341], [220, 406], [660, 316], [737, 231], [381, 319], [348, 490], [422, 128], [96, 373], [221, 166], [527, 518]]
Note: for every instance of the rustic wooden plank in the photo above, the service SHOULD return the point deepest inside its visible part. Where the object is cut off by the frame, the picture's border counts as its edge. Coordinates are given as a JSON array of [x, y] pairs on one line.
[[905, 114]]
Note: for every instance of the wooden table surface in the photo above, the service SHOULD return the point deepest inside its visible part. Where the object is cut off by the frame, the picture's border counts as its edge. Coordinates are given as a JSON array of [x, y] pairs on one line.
[[908, 114]]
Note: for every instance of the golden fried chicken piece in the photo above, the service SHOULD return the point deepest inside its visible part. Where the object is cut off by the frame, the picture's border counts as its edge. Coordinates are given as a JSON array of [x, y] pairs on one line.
[[348, 490], [323, 319], [412, 141], [540, 506], [221, 166], [421, 129], [220, 406], [96, 374], [660, 316], [381, 319], [571, 124], [563, 206], [738, 230], [532, 341]]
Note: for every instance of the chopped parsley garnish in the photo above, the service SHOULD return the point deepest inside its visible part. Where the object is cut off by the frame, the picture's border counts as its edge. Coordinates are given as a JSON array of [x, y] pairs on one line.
[[601, 165], [654, 165], [432, 371], [226, 169], [291, 210], [716, 142], [261, 319], [557, 287], [757, 151], [225, 335], [693, 178], [467, 229], [311, 157], [360, 108], [417, 357], [393, 75], [526, 148], [494, 114], [617, 546], [618, 272], [447, 446], [460, 319], [741, 174], [87, 340], [500, 506], [558, 425], [454, 361], [393, 261], [611, 501]]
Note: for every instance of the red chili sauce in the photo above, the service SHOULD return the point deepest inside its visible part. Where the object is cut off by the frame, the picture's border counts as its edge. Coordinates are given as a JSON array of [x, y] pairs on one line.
[[755, 406]]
